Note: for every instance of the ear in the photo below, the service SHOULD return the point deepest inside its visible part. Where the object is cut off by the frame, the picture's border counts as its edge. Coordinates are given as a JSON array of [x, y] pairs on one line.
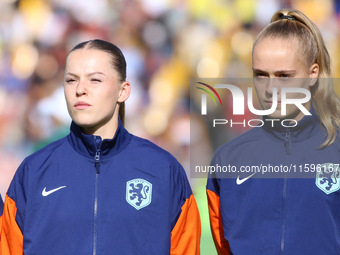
[[124, 92], [313, 74]]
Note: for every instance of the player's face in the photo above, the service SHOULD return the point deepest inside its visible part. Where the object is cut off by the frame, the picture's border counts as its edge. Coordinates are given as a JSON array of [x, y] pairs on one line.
[[276, 63], [92, 90]]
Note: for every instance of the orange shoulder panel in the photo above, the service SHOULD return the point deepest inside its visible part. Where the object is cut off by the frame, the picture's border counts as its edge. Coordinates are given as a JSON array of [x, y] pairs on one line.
[[186, 235], [0, 234], [11, 236], [222, 245]]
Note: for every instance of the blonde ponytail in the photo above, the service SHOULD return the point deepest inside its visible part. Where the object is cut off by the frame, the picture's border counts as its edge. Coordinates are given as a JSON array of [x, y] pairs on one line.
[[290, 24]]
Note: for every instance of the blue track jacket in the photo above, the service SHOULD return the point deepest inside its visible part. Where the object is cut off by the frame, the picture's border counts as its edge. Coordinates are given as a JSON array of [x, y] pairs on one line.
[[1, 208], [1, 205], [83, 195], [293, 212]]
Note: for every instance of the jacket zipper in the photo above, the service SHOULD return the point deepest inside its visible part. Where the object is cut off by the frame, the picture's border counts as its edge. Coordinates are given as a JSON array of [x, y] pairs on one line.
[[284, 192], [95, 210]]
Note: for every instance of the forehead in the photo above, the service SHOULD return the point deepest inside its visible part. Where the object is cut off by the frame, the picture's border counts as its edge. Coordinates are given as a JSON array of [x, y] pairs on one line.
[[278, 53], [89, 59]]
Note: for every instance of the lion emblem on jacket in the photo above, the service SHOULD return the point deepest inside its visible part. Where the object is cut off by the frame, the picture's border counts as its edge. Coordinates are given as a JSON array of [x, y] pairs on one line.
[[328, 177], [138, 193]]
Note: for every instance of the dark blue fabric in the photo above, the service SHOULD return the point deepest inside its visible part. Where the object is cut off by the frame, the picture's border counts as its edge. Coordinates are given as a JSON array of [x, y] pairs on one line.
[[66, 221], [1, 205], [287, 213]]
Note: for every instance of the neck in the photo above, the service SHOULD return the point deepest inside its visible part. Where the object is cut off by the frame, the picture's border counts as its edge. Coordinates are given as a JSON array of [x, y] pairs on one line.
[[308, 106], [105, 130]]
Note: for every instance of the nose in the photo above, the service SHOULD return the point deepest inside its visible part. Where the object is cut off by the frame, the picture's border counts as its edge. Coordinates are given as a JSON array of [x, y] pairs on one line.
[[269, 87], [272, 83], [81, 89]]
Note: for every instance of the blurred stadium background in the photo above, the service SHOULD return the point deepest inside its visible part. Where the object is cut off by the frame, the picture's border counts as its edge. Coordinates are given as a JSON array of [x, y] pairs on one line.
[[166, 42]]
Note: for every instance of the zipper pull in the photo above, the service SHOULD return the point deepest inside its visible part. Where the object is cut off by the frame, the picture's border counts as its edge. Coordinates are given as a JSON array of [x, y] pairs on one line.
[[287, 143], [97, 163]]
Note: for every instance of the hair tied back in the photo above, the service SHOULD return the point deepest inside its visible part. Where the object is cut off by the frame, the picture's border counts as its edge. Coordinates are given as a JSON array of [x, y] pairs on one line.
[[288, 17]]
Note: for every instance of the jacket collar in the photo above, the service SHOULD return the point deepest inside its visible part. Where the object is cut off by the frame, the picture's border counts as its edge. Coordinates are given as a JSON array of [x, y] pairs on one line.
[[307, 127], [87, 145]]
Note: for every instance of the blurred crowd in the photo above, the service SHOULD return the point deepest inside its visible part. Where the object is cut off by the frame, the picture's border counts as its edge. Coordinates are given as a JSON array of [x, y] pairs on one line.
[[165, 42]]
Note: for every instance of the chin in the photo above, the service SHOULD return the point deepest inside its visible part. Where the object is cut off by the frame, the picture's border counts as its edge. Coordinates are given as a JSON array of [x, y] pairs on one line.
[[83, 122], [276, 115]]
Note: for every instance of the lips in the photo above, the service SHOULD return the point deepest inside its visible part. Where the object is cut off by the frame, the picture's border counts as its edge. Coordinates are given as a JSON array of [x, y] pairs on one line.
[[270, 103], [81, 105]]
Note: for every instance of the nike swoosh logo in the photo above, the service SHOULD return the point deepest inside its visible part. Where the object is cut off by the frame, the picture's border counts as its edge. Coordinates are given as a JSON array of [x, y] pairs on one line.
[[46, 193], [238, 181]]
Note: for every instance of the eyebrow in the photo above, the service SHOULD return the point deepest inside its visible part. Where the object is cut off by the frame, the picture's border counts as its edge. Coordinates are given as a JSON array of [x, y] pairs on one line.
[[279, 71], [89, 74]]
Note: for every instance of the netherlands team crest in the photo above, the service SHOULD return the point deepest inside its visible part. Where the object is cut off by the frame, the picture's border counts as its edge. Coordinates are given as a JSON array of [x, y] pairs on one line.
[[328, 177], [138, 193]]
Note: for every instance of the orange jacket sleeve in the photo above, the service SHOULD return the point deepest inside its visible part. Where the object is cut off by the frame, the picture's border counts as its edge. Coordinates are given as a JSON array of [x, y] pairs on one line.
[[11, 236], [222, 245], [186, 235], [0, 233]]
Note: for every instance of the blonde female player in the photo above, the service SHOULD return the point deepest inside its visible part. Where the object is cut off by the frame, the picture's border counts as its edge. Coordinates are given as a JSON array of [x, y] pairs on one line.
[[283, 215]]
